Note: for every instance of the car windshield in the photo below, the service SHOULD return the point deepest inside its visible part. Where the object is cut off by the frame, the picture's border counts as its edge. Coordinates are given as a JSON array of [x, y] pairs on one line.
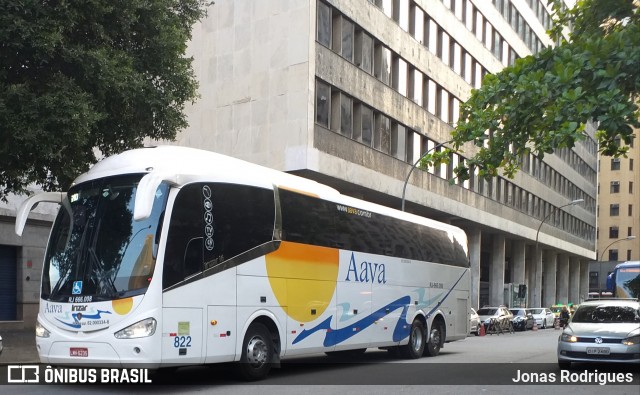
[[607, 314], [96, 250], [486, 311], [518, 312], [536, 311]]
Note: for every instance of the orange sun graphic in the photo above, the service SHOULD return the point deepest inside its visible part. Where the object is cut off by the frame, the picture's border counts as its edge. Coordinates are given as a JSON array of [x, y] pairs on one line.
[[303, 278]]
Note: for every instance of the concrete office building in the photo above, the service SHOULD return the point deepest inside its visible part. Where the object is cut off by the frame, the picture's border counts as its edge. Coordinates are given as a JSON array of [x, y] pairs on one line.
[[352, 92], [618, 216]]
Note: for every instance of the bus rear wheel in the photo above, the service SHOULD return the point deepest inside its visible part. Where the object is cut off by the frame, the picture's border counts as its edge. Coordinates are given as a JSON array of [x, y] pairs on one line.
[[257, 353], [434, 342], [417, 340]]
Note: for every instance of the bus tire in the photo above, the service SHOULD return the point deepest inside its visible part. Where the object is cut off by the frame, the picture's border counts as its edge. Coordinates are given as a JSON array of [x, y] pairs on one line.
[[257, 353], [435, 339], [417, 339]]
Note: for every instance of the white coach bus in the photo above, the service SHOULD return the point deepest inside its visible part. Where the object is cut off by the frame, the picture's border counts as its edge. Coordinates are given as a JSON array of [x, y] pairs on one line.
[[172, 256]]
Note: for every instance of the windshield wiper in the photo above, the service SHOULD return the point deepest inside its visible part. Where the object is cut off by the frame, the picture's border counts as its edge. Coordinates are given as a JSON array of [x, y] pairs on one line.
[[102, 275]]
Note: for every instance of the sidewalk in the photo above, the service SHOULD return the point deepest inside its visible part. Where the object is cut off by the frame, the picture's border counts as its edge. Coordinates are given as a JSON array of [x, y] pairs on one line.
[[19, 346]]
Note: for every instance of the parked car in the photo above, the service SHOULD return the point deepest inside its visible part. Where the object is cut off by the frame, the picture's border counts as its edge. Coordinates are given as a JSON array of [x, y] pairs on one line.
[[500, 313], [474, 322], [544, 317], [603, 331], [1, 347], [522, 319]]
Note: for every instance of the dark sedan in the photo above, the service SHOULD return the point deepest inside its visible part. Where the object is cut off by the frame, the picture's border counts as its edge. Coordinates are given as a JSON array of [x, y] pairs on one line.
[[522, 319]]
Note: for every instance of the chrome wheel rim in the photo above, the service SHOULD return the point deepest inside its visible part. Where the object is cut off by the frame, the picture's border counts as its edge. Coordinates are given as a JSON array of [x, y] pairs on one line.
[[257, 351]]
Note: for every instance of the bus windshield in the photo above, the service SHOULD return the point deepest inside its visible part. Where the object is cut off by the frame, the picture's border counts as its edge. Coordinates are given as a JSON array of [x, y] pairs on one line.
[[628, 282], [97, 251]]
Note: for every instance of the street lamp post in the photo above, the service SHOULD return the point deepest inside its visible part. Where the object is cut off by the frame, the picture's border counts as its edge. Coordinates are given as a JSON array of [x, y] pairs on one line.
[[535, 266], [602, 257], [404, 188]]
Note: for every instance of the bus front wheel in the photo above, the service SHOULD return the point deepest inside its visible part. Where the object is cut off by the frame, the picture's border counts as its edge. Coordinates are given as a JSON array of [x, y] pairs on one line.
[[417, 339], [257, 353]]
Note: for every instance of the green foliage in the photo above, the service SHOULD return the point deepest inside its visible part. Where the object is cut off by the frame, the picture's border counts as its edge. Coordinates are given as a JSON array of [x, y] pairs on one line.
[[80, 75], [543, 102]]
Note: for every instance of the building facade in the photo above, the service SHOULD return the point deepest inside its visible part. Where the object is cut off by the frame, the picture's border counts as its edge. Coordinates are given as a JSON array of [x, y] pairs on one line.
[[21, 263], [618, 216], [352, 93]]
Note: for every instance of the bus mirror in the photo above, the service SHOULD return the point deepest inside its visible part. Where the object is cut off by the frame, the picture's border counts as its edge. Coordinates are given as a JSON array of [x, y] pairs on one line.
[[145, 193], [23, 212]]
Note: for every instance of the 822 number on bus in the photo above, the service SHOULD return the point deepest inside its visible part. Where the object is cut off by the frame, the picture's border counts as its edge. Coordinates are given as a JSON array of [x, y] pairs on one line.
[[182, 341]]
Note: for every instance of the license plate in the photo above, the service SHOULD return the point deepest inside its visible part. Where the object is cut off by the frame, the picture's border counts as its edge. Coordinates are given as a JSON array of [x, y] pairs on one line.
[[598, 350], [79, 352]]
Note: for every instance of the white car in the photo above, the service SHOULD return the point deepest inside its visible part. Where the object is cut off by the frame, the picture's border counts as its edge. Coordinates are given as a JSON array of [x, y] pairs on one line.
[[544, 317], [474, 322], [602, 331]]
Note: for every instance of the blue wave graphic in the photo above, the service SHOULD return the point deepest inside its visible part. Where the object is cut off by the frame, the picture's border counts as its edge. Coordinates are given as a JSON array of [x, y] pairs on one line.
[[401, 330], [336, 336]]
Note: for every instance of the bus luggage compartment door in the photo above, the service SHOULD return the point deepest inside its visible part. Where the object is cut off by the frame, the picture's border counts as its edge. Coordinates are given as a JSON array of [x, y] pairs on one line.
[[221, 334], [182, 335]]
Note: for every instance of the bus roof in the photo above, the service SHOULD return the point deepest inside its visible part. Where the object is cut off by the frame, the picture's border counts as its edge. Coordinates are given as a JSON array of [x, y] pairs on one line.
[[628, 264], [182, 165]]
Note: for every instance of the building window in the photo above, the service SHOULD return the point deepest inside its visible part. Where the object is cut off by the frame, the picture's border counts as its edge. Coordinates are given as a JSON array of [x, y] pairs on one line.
[[324, 25], [614, 210], [629, 231], [432, 97], [613, 232], [613, 255], [382, 135], [363, 127], [631, 187], [386, 6], [323, 103], [418, 24], [346, 49], [630, 210], [417, 84], [346, 115], [628, 255], [630, 164], [615, 187], [400, 74], [399, 141], [615, 164], [364, 51], [382, 64], [402, 14]]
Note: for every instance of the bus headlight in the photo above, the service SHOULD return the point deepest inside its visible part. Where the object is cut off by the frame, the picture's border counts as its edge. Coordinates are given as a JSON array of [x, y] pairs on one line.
[[41, 331], [142, 328]]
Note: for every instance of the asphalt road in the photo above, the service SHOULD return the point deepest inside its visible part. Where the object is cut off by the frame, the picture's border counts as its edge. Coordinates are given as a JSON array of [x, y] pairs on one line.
[[476, 365]]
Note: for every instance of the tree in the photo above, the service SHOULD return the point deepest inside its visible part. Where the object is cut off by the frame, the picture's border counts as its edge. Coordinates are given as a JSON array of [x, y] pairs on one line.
[[543, 101], [78, 76]]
